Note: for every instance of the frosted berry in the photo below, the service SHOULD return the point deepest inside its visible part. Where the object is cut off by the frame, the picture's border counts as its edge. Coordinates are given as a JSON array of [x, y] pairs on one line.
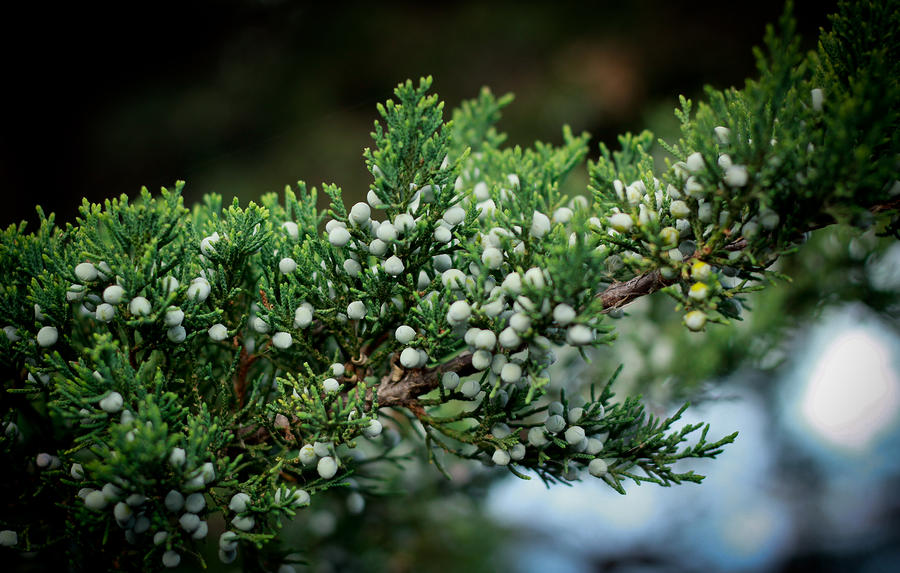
[[282, 340], [47, 336]]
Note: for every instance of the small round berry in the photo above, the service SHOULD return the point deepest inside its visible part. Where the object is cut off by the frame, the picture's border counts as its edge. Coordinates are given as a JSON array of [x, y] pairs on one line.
[[679, 209], [287, 265], [700, 271], [501, 431], [139, 306], [497, 364], [517, 452], [174, 501], [594, 446], [303, 317], [218, 332], [105, 312], [11, 333], [537, 438], [736, 176], [500, 457], [695, 162], [373, 430], [8, 538], [441, 262], [443, 235], [199, 533], [563, 314], [459, 311], [378, 247], [695, 320], [409, 358], [228, 540], [356, 310], [511, 372], [555, 423], [327, 467], [95, 500], [404, 334], [331, 385], [492, 257], [769, 219], [198, 289], [818, 98], [122, 512], [339, 236], [244, 523], [622, 222], [509, 338], [176, 334], [112, 403], [177, 457], [470, 388], [485, 340], [113, 294], [534, 277], [239, 502], [699, 291], [282, 340], [481, 360], [579, 335], [562, 215], [77, 472], [454, 216], [520, 322], [454, 278], [540, 224], [189, 521], [512, 284], [47, 336], [574, 435], [195, 503], [723, 134], [171, 284], [86, 272], [307, 454], [386, 232], [598, 467], [333, 224], [208, 472], [393, 266], [291, 229], [450, 380], [360, 213], [575, 415], [259, 325], [404, 222], [171, 559]]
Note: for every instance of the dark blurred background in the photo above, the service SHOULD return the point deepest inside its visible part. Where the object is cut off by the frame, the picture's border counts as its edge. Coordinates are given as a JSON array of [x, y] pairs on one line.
[[244, 96]]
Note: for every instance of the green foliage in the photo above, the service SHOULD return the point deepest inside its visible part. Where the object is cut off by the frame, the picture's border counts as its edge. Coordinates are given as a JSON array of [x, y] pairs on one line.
[[165, 368]]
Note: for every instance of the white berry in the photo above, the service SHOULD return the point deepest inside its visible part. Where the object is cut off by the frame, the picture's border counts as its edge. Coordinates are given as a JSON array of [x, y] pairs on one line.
[[356, 310], [47, 336], [86, 272], [218, 332], [327, 467], [404, 334], [282, 340], [393, 266]]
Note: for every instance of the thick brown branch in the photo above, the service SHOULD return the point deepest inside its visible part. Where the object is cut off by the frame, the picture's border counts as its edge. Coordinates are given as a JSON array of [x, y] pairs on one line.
[[618, 295], [401, 387]]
